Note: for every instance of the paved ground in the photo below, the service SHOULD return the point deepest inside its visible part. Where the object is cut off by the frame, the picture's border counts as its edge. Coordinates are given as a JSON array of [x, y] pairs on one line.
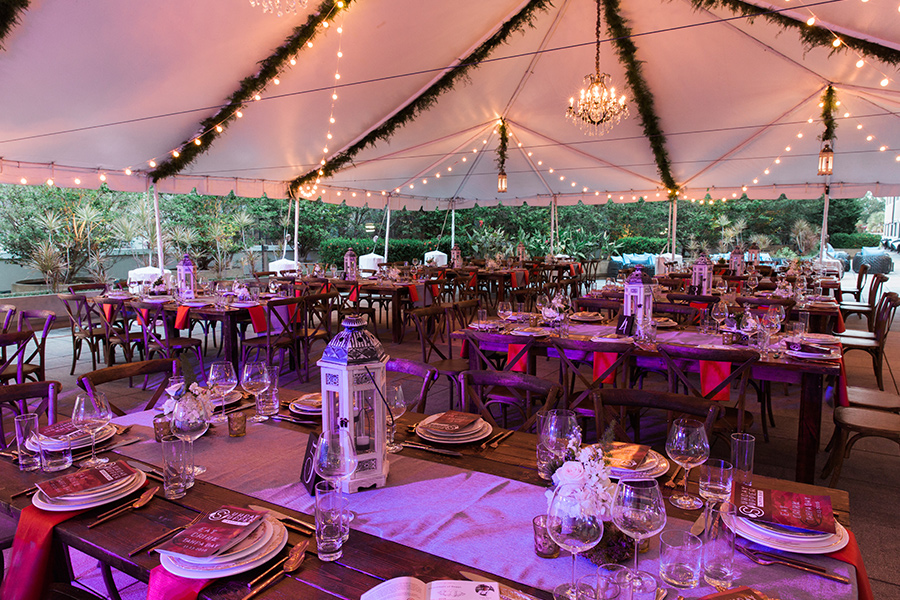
[[871, 475]]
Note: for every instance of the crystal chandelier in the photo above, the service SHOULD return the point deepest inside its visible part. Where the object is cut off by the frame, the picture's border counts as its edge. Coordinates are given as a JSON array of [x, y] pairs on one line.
[[597, 108], [280, 7]]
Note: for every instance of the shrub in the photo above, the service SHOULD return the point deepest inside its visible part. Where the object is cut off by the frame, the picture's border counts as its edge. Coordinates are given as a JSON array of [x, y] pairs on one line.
[[640, 245], [855, 240], [399, 249]]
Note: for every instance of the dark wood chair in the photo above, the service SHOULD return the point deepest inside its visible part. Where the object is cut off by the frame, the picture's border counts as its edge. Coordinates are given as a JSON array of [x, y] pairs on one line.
[[16, 397], [90, 382], [161, 335], [699, 301], [860, 423], [608, 307], [875, 346], [427, 373], [857, 291], [434, 324], [630, 401], [866, 309], [529, 392], [116, 330], [13, 347], [349, 304], [84, 324], [88, 289], [33, 364], [754, 302], [7, 313]]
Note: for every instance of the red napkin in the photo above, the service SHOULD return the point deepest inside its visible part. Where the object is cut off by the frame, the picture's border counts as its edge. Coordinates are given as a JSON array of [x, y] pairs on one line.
[[473, 280], [413, 293], [514, 279], [850, 554], [526, 277], [521, 365], [843, 398], [354, 294], [107, 311], [603, 361], [464, 349], [441, 275], [572, 270], [700, 306], [181, 317], [712, 372], [258, 318], [143, 317], [839, 325], [166, 586], [31, 553], [435, 291]]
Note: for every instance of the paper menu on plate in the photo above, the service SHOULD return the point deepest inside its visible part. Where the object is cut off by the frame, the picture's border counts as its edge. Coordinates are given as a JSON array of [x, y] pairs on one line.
[[621, 455], [452, 420], [786, 509], [410, 588], [86, 480], [60, 429], [215, 533]]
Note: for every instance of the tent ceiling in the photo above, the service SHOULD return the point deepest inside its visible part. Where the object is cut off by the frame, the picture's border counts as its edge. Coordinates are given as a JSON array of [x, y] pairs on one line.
[[99, 86]]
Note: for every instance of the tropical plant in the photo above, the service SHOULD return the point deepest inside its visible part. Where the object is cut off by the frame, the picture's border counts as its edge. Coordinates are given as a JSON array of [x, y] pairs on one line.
[[761, 240], [577, 243], [607, 245], [804, 236], [47, 260], [486, 242]]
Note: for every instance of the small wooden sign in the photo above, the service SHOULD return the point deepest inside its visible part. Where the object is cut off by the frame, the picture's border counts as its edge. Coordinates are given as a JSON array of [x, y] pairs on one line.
[[625, 326]]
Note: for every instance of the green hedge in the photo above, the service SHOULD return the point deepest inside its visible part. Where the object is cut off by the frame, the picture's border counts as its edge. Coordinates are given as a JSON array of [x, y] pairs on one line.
[[855, 240], [399, 249], [640, 245]]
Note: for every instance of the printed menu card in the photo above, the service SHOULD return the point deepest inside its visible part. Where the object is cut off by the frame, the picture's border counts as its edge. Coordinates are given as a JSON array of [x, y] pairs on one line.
[[452, 420], [410, 588], [621, 455], [59, 429], [215, 533], [786, 509], [86, 480]]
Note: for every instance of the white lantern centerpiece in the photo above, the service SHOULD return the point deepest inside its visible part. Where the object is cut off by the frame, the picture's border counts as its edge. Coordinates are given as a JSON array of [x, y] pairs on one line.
[[736, 261], [351, 270], [456, 257], [186, 278], [352, 366], [753, 254], [702, 274], [521, 252], [639, 295]]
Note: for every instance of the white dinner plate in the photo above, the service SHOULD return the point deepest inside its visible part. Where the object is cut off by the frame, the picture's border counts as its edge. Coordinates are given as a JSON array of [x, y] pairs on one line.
[[665, 322], [198, 302], [784, 533], [196, 571], [479, 434], [818, 338], [813, 355], [587, 317], [157, 299], [471, 429], [484, 326], [532, 331], [659, 465], [306, 404], [243, 304], [253, 543], [78, 440], [230, 398], [831, 544], [612, 337], [41, 501], [99, 492]]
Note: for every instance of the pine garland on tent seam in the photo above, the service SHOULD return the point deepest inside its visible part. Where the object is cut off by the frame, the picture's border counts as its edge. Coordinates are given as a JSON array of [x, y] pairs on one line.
[[269, 68], [502, 145], [425, 100], [9, 16], [811, 37], [618, 29], [829, 107]]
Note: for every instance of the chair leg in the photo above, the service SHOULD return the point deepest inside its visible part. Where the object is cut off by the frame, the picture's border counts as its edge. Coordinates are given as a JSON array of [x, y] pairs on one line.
[[111, 589], [877, 362], [836, 460], [76, 353]]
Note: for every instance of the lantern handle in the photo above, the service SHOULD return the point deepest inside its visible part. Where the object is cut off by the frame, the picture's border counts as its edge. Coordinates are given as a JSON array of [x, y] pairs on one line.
[[386, 405]]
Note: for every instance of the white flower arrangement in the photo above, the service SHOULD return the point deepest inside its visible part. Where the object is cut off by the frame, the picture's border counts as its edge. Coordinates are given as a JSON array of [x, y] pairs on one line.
[[196, 391], [590, 470]]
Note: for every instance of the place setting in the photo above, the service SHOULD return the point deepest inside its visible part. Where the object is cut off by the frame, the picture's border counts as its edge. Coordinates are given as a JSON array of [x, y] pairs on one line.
[[453, 427], [88, 488], [307, 405]]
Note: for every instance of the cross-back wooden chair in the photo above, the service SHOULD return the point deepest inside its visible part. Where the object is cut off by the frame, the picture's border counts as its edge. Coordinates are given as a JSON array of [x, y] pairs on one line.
[[314, 324], [434, 325], [613, 404], [161, 334], [116, 332], [283, 317], [349, 304], [884, 318], [84, 324], [683, 314], [7, 312], [856, 292], [866, 309], [88, 289], [33, 366], [15, 398], [13, 347], [90, 382], [529, 391], [698, 301], [754, 302], [606, 306], [426, 372]]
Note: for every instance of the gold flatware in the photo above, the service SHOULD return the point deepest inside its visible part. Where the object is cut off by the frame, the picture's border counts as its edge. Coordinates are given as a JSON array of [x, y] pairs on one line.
[[26, 492], [671, 482], [789, 559], [287, 520], [500, 439], [490, 440], [140, 502], [291, 564], [771, 561], [122, 429], [152, 544]]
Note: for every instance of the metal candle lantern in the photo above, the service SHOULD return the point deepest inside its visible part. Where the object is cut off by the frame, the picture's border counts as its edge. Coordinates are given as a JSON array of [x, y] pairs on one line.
[[639, 295], [736, 261], [186, 277], [456, 256], [701, 274], [352, 365], [350, 266], [753, 254], [521, 253]]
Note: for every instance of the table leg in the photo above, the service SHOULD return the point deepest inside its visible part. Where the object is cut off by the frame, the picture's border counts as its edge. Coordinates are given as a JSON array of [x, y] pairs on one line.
[[396, 318], [809, 428], [230, 339]]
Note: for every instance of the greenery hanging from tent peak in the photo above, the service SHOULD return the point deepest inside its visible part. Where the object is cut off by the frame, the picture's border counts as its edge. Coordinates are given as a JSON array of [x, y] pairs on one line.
[[428, 98], [269, 68], [829, 108], [10, 14], [502, 145]]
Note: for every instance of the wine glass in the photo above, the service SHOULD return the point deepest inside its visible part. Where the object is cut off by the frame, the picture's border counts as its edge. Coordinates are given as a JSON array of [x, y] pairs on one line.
[[752, 283], [771, 324], [575, 525], [255, 381], [688, 446], [397, 404], [559, 430], [722, 286], [504, 310], [90, 415], [335, 455], [541, 302], [222, 380], [779, 311], [639, 511], [190, 420]]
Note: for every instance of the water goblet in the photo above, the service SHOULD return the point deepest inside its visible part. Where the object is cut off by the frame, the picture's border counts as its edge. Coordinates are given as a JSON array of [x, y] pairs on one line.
[[719, 313], [335, 455], [688, 446], [639, 512], [504, 310], [716, 480], [397, 404], [222, 380], [575, 525], [90, 415], [255, 381], [190, 420]]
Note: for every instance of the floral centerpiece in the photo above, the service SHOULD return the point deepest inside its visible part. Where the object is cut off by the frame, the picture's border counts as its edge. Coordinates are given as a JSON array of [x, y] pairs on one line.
[[176, 393]]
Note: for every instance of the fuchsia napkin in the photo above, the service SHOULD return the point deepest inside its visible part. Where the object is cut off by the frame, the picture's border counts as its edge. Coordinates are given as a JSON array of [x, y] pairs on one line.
[[181, 317], [258, 318], [711, 375], [603, 361], [166, 586]]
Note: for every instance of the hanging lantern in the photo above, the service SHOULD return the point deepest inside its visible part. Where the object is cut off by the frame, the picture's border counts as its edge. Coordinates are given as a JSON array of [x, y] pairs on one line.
[[351, 270], [501, 182], [185, 278], [521, 252], [639, 295], [753, 254], [736, 261], [702, 274], [352, 365], [456, 257], [826, 160]]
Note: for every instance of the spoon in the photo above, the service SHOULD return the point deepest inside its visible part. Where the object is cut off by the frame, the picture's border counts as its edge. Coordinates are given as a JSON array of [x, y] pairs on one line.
[[144, 499], [293, 562]]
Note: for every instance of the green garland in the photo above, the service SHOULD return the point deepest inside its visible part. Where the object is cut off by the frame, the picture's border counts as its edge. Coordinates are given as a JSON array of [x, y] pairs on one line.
[[502, 145], [269, 68], [829, 107], [10, 13], [618, 29], [426, 99], [811, 36]]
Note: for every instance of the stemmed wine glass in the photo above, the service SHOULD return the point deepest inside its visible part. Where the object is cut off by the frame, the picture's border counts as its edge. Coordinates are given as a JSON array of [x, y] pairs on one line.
[[778, 309], [770, 324], [719, 313], [190, 420], [560, 430], [722, 286], [255, 381], [335, 456], [639, 511], [753, 283], [397, 404], [90, 415], [504, 310], [222, 380], [575, 525], [689, 447]]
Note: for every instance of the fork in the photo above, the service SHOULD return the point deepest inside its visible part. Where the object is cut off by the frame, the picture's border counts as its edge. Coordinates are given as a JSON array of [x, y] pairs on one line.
[[771, 561]]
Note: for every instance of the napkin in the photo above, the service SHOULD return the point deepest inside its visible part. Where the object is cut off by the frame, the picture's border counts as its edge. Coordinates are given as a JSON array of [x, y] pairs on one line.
[[839, 324], [166, 586], [258, 318], [413, 293], [711, 375], [843, 398], [31, 553], [354, 294], [474, 280], [181, 317], [850, 554], [521, 365], [602, 362]]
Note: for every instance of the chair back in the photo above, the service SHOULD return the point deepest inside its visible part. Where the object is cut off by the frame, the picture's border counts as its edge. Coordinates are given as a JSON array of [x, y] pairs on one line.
[[317, 310], [526, 391], [417, 369], [683, 314], [464, 312], [89, 289], [82, 318], [13, 348], [624, 399], [884, 317], [861, 277], [875, 288], [708, 300], [38, 322], [15, 397], [156, 329], [90, 382], [523, 296], [7, 312], [518, 350], [754, 302], [606, 306], [433, 326]]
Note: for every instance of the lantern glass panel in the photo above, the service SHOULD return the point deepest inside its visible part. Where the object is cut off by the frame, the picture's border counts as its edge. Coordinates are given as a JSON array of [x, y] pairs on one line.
[[364, 420]]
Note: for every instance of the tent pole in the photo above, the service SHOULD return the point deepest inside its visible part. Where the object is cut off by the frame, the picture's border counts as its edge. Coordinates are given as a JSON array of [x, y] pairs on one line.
[[824, 236], [159, 243], [297, 232], [674, 229], [452, 223], [387, 230]]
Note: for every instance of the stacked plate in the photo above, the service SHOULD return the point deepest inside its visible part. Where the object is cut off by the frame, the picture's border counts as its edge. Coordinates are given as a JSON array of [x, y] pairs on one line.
[[230, 398], [790, 540], [815, 338], [198, 301], [78, 439], [532, 331], [307, 404], [158, 299], [244, 303], [265, 542], [97, 496], [654, 465], [587, 317], [612, 337], [478, 430], [665, 322], [484, 326]]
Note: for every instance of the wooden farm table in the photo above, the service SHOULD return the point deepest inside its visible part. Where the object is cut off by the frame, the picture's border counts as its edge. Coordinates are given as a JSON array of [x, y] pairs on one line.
[[397, 291]]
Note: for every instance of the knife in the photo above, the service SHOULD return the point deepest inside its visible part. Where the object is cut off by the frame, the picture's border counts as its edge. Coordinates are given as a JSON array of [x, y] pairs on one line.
[[288, 521], [699, 525], [416, 446], [149, 470], [294, 420], [125, 442], [506, 592]]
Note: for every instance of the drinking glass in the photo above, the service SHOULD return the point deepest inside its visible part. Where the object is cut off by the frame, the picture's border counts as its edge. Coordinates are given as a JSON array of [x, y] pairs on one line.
[[255, 381], [397, 404], [718, 545], [559, 430], [688, 446], [335, 455], [90, 415], [779, 311], [27, 432], [719, 313], [190, 420], [722, 286], [575, 525], [482, 318], [222, 380], [742, 450], [504, 310], [175, 470], [679, 558], [639, 512], [752, 283], [716, 478]]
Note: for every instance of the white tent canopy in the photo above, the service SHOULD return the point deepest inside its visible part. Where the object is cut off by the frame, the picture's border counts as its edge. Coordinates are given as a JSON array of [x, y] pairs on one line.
[[95, 88]]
